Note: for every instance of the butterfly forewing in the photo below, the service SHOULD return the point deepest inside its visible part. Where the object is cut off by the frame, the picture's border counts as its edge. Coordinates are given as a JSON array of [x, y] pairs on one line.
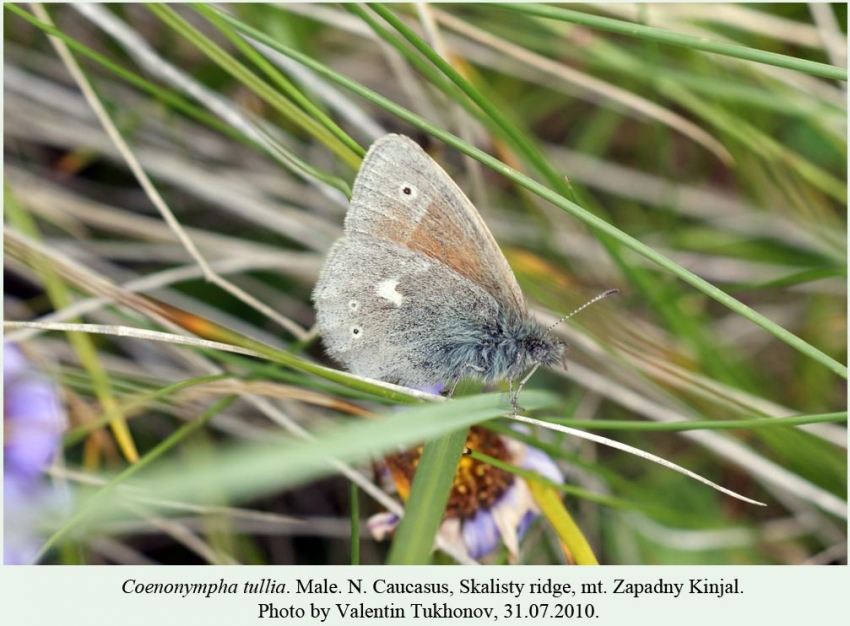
[[425, 211]]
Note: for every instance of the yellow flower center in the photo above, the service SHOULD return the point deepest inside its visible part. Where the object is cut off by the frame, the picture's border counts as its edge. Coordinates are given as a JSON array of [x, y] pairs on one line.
[[477, 485]]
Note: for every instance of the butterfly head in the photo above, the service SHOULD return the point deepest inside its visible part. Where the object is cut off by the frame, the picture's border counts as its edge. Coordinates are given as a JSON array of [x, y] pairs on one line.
[[545, 350], [527, 344]]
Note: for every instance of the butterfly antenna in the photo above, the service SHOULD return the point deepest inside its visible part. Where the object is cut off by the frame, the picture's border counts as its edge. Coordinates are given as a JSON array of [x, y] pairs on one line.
[[604, 294]]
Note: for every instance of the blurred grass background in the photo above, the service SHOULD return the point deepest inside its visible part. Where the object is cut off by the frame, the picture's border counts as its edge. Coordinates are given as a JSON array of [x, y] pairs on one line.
[[732, 169]]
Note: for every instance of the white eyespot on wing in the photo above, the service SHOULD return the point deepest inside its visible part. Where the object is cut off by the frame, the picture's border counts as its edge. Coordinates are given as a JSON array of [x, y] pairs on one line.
[[386, 289], [407, 192], [353, 305]]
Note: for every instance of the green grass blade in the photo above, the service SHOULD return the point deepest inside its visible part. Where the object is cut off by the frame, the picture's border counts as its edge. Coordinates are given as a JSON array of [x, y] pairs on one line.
[[429, 494], [677, 39]]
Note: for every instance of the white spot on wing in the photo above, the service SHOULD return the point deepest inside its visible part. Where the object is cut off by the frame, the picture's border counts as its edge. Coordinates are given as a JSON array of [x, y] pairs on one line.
[[386, 290]]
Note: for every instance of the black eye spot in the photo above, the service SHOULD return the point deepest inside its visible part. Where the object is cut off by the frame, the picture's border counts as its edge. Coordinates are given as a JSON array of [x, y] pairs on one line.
[[356, 331], [406, 189]]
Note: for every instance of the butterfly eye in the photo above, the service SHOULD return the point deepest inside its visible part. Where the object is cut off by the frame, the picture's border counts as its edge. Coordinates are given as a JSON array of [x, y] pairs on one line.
[[356, 332], [408, 191], [353, 305]]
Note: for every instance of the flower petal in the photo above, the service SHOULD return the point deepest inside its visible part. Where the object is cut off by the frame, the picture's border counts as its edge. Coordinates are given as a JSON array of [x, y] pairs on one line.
[[542, 463], [436, 389], [34, 421], [525, 523], [509, 513], [13, 363], [480, 534], [382, 525], [26, 507], [452, 535]]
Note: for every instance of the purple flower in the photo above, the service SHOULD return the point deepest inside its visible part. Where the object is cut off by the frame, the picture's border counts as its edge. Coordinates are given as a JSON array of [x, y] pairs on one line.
[[33, 422], [487, 505]]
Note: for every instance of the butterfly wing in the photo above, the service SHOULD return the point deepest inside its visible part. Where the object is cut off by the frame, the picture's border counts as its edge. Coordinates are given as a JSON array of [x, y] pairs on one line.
[[401, 195], [392, 313]]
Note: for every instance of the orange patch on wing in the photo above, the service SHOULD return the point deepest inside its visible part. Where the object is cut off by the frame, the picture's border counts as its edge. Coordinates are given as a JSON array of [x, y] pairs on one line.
[[458, 249]]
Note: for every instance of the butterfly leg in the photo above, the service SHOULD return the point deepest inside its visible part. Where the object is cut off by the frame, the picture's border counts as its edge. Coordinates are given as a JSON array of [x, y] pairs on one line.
[[515, 396]]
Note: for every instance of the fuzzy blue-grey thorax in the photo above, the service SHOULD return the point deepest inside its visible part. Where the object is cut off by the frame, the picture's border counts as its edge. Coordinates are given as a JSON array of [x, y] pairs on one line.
[[501, 350]]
